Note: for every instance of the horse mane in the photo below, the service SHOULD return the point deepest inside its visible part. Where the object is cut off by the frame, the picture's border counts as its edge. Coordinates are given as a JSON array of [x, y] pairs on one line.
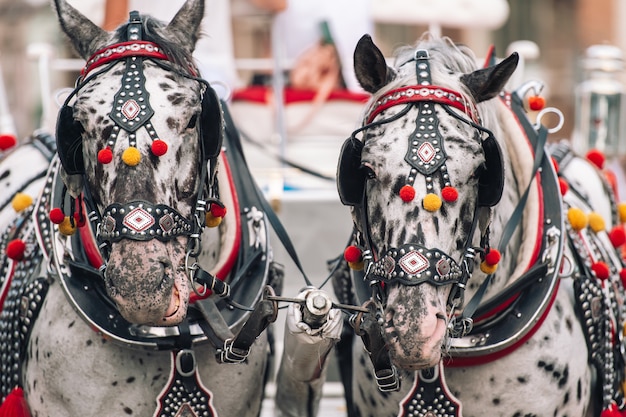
[[155, 31]]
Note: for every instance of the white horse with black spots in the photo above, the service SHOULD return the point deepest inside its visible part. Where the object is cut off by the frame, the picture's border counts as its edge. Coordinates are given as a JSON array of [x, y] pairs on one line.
[[139, 277], [458, 252]]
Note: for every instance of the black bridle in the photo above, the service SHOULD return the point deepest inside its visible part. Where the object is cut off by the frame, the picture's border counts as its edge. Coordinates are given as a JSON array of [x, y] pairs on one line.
[[412, 263], [139, 219]]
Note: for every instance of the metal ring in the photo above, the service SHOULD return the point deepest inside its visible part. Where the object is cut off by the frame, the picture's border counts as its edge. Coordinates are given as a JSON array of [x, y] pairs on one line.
[[567, 273], [550, 110], [423, 378]]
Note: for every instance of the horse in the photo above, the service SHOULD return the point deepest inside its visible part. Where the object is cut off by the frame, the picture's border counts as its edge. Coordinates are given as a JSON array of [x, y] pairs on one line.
[[138, 273], [486, 293]]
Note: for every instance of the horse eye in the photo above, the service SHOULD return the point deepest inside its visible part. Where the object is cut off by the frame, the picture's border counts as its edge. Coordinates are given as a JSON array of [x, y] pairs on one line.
[[192, 121], [369, 171]]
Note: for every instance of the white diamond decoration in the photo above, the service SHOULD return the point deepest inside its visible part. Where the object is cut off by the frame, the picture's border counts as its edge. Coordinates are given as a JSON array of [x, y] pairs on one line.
[[426, 152], [413, 263], [138, 220], [130, 109]]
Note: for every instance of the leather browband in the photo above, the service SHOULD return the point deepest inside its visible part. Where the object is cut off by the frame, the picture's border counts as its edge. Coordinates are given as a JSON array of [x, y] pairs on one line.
[[417, 93], [123, 50]]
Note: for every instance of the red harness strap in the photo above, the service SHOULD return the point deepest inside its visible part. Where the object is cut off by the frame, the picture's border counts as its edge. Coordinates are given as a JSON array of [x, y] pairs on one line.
[[123, 50], [416, 93]]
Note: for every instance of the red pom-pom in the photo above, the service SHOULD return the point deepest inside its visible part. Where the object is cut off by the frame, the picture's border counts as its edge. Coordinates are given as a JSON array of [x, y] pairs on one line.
[[217, 210], [352, 254], [596, 157], [105, 156], [159, 147], [57, 216], [449, 194], [612, 411], [492, 257], [536, 102], [601, 270], [15, 249], [563, 185], [617, 235], [407, 193], [622, 277], [7, 141]]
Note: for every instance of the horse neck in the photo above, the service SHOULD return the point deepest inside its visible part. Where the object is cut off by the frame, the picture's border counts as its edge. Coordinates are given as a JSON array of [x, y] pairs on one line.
[[519, 250]]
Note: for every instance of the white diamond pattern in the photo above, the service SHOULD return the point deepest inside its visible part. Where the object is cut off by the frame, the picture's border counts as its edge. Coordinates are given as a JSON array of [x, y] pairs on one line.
[[413, 263], [130, 109], [426, 152], [138, 220]]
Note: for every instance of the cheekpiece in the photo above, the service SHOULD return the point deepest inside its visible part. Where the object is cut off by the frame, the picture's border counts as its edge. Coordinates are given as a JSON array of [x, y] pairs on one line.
[[141, 220], [413, 264]]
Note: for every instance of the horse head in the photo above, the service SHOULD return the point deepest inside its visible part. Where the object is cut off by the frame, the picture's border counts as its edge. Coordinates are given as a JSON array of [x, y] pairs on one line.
[[420, 181], [139, 130]]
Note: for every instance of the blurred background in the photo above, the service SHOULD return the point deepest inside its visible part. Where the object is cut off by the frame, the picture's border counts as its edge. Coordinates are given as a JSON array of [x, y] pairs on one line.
[[562, 30]]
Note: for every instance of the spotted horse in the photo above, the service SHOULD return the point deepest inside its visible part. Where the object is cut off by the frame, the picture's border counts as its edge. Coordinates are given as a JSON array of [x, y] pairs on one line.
[[479, 299], [137, 276]]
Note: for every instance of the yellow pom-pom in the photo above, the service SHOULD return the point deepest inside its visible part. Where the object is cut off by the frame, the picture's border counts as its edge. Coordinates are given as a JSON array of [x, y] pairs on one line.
[[356, 266], [131, 156], [577, 218], [596, 222], [432, 202], [212, 221], [621, 209], [66, 228], [21, 201], [488, 269]]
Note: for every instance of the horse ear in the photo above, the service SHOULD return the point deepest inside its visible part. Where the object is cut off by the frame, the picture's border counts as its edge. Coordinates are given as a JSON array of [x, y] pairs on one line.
[[370, 66], [186, 23], [486, 83], [86, 36]]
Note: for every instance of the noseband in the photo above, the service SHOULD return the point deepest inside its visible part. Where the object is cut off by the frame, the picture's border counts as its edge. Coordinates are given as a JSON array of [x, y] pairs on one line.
[[412, 263]]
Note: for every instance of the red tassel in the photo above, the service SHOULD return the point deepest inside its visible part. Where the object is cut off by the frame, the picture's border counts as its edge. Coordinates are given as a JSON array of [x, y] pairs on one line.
[[492, 257], [617, 235], [596, 157], [159, 148], [407, 193], [57, 216], [449, 194], [563, 185], [601, 270], [15, 249], [217, 210], [7, 142], [105, 156], [15, 405], [536, 102], [352, 254]]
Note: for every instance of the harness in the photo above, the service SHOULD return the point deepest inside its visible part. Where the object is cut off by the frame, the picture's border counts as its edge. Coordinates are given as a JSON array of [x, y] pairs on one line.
[[506, 320], [599, 302]]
